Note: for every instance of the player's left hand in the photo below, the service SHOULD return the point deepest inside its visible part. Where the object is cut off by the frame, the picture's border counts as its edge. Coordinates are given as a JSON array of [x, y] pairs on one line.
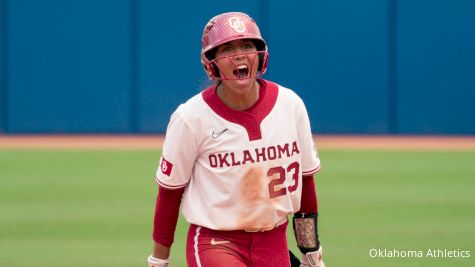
[[156, 262], [313, 259]]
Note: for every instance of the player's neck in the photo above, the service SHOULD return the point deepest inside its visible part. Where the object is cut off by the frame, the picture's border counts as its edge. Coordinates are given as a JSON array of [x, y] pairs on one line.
[[238, 99]]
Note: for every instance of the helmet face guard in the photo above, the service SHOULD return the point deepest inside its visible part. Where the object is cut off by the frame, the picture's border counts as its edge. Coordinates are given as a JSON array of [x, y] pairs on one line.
[[225, 28], [257, 67]]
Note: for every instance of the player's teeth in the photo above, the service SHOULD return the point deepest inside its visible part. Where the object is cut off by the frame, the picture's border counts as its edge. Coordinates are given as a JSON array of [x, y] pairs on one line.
[[241, 71]]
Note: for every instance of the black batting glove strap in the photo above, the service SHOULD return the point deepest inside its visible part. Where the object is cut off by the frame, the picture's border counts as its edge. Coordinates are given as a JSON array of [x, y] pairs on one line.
[[294, 261], [305, 227]]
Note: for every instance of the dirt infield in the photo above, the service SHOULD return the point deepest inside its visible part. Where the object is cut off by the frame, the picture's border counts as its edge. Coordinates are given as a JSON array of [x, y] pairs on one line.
[[155, 142]]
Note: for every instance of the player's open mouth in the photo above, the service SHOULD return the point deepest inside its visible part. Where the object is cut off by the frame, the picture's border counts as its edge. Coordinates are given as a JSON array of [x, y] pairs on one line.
[[241, 72]]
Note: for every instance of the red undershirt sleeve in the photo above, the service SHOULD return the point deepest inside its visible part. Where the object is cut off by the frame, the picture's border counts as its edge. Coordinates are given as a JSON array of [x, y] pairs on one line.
[[167, 210], [309, 203]]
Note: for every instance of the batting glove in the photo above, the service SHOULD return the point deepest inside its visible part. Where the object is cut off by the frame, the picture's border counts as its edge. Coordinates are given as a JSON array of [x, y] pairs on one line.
[[156, 262], [313, 259]]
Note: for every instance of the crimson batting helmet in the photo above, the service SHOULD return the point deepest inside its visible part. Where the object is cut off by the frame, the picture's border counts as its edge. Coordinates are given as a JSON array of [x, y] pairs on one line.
[[225, 28]]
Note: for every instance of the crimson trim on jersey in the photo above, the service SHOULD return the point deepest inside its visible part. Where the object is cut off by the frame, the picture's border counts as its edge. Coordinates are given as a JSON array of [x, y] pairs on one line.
[[251, 118], [312, 171], [168, 185]]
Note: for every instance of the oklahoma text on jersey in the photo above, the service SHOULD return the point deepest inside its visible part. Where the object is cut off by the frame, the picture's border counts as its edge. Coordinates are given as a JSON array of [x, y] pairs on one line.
[[228, 159]]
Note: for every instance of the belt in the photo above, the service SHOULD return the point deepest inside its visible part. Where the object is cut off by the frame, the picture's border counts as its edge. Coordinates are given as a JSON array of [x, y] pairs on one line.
[[265, 229]]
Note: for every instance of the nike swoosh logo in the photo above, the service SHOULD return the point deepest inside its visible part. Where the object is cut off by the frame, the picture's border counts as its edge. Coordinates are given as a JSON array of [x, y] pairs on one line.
[[214, 242], [218, 134]]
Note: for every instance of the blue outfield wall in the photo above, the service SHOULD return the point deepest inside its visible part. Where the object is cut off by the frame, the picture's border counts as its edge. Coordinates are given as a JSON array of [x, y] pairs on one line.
[[69, 66], [436, 67], [123, 66], [334, 55], [3, 69]]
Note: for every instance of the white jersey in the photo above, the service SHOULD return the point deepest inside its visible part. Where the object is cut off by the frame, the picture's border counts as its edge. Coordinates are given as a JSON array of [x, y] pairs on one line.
[[242, 169]]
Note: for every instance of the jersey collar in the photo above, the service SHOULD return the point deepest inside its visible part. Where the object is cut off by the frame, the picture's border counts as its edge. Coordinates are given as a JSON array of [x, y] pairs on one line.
[[250, 118]]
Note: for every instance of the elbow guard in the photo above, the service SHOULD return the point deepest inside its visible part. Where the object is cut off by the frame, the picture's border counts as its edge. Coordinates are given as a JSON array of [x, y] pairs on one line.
[[305, 227]]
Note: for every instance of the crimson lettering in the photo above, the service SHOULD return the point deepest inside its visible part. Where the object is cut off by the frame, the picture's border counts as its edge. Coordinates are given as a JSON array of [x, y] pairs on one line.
[[271, 153], [233, 161], [223, 160], [213, 161], [261, 154], [247, 157], [295, 148], [281, 150]]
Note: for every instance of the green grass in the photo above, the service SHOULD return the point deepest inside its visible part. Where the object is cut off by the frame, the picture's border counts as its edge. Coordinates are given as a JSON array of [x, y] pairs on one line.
[[95, 208]]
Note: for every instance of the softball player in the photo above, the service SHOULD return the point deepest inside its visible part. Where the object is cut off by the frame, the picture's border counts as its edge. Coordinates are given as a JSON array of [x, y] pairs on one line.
[[239, 158]]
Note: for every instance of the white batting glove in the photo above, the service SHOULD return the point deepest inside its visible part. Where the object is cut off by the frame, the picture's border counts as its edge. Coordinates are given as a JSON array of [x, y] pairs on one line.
[[156, 262], [313, 259]]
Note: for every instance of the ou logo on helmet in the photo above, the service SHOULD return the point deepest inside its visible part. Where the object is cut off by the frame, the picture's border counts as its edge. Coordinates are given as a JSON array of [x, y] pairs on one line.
[[237, 24]]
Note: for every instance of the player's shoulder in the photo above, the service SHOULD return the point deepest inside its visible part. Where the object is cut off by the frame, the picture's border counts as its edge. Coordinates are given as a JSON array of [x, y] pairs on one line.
[[287, 94], [193, 107]]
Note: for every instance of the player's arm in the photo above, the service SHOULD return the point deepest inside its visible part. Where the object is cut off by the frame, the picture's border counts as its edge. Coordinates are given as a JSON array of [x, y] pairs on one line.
[[305, 224], [165, 220], [305, 221], [174, 172]]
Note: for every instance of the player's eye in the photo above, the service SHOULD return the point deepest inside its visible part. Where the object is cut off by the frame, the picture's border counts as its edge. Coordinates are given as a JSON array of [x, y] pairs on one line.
[[248, 45], [227, 49]]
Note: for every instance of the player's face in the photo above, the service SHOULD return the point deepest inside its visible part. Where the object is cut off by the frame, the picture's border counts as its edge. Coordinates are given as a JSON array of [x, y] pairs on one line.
[[237, 60]]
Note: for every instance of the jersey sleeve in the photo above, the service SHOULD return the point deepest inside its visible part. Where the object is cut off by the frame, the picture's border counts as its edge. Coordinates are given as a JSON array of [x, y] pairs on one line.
[[179, 154], [310, 159]]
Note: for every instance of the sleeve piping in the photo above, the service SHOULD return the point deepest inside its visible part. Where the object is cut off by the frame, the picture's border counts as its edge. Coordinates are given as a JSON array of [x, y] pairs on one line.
[[312, 171], [169, 186]]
